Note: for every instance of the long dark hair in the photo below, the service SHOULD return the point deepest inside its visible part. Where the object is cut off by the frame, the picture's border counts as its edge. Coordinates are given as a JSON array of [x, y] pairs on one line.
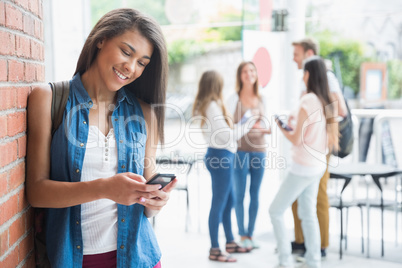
[[318, 84], [151, 85]]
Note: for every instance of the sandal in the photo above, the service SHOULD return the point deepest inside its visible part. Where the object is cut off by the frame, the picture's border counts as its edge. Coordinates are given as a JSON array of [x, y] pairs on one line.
[[217, 255], [233, 247]]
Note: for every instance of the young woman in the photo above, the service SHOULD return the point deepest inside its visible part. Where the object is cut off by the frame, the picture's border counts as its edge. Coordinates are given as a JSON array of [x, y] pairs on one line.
[[91, 173], [221, 135], [314, 132], [249, 158]]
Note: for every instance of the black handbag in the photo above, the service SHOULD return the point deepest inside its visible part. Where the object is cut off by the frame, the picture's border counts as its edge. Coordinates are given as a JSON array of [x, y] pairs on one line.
[[60, 91], [345, 135]]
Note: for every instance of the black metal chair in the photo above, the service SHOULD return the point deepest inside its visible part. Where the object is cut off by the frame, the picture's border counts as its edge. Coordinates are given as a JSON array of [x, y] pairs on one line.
[[338, 203], [183, 184], [375, 203]]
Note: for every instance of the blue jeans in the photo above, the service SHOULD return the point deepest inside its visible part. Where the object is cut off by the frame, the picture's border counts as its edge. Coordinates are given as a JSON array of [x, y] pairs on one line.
[[304, 189], [219, 163], [248, 163]]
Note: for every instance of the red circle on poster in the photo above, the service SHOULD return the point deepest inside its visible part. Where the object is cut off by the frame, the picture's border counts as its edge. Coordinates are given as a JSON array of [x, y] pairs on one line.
[[262, 61]]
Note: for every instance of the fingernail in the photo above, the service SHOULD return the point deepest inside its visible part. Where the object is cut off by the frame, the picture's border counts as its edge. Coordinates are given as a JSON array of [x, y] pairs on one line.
[[142, 199], [160, 186]]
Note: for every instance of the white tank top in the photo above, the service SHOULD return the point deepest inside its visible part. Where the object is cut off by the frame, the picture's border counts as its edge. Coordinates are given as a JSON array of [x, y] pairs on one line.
[[99, 217]]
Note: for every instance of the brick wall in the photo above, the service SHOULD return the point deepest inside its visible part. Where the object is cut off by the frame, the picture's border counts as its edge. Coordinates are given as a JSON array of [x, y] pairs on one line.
[[21, 67]]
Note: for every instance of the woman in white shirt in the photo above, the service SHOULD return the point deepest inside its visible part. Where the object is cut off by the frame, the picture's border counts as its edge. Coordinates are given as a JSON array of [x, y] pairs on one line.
[[221, 135]]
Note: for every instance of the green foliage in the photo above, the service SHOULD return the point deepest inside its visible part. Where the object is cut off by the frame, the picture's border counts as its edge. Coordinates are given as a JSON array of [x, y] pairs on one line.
[[181, 49], [100, 8], [228, 33], [154, 8], [394, 68], [351, 56], [231, 33]]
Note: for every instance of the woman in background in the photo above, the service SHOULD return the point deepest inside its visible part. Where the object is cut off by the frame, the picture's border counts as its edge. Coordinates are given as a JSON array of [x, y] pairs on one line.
[[221, 135], [249, 159], [314, 132]]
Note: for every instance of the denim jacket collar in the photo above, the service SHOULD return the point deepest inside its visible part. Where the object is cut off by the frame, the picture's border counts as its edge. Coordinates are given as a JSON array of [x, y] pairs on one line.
[[82, 96]]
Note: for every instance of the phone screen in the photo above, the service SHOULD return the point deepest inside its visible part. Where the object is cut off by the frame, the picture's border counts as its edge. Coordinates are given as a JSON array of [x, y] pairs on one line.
[[283, 124], [162, 179]]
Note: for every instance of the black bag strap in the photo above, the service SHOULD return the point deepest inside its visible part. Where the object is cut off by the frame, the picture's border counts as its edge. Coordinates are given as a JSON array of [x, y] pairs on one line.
[[60, 91]]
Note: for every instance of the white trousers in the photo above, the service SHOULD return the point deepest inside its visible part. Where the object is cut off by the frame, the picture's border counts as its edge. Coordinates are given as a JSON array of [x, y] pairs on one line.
[[304, 189]]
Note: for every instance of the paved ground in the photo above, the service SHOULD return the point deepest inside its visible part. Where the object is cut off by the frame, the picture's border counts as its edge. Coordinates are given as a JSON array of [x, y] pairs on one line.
[[190, 249]]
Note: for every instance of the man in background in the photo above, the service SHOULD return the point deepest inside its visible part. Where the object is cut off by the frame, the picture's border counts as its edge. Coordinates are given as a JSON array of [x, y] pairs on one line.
[[303, 50]]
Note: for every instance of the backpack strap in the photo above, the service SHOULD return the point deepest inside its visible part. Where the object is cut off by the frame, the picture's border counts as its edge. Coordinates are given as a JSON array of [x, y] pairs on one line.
[[60, 92]]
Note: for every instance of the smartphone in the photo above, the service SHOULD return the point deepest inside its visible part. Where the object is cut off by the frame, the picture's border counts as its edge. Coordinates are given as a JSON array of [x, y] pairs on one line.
[[162, 179], [283, 124]]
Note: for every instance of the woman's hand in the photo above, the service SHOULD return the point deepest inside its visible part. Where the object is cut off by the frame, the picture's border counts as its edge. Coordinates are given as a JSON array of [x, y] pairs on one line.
[[154, 205], [257, 128], [129, 188], [291, 120]]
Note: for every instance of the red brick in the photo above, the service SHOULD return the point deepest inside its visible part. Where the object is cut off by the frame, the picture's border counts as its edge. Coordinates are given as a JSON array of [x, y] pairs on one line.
[[16, 177], [38, 29], [30, 261], [16, 123], [9, 209], [22, 46], [15, 71], [13, 18], [22, 3], [29, 25], [11, 260], [17, 229], [3, 70], [40, 9], [8, 154], [40, 73], [22, 146], [3, 242], [3, 183], [26, 246], [34, 7], [35, 50], [7, 98], [3, 126], [22, 201], [2, 14], [29, 72], [7, 43], [22, 95]]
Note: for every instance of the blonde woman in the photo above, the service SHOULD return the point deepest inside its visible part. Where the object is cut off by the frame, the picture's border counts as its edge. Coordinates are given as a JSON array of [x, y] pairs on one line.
[[221, 135]]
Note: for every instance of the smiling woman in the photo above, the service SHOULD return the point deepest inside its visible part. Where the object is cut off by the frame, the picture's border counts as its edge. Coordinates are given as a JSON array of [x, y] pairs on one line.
[[90, 173]]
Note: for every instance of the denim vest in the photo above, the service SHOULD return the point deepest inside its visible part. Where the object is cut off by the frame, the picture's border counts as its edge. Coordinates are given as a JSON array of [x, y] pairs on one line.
[[136, 241]]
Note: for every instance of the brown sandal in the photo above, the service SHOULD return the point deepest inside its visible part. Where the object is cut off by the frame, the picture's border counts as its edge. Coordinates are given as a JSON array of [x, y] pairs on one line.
[[217, 255], [233, 247]]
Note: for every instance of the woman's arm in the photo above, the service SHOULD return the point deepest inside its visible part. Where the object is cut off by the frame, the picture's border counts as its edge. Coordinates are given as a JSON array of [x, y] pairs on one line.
[[338, 97], [124, 188], [336, 94], [221, 132], [160, 197], [295, 136]]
